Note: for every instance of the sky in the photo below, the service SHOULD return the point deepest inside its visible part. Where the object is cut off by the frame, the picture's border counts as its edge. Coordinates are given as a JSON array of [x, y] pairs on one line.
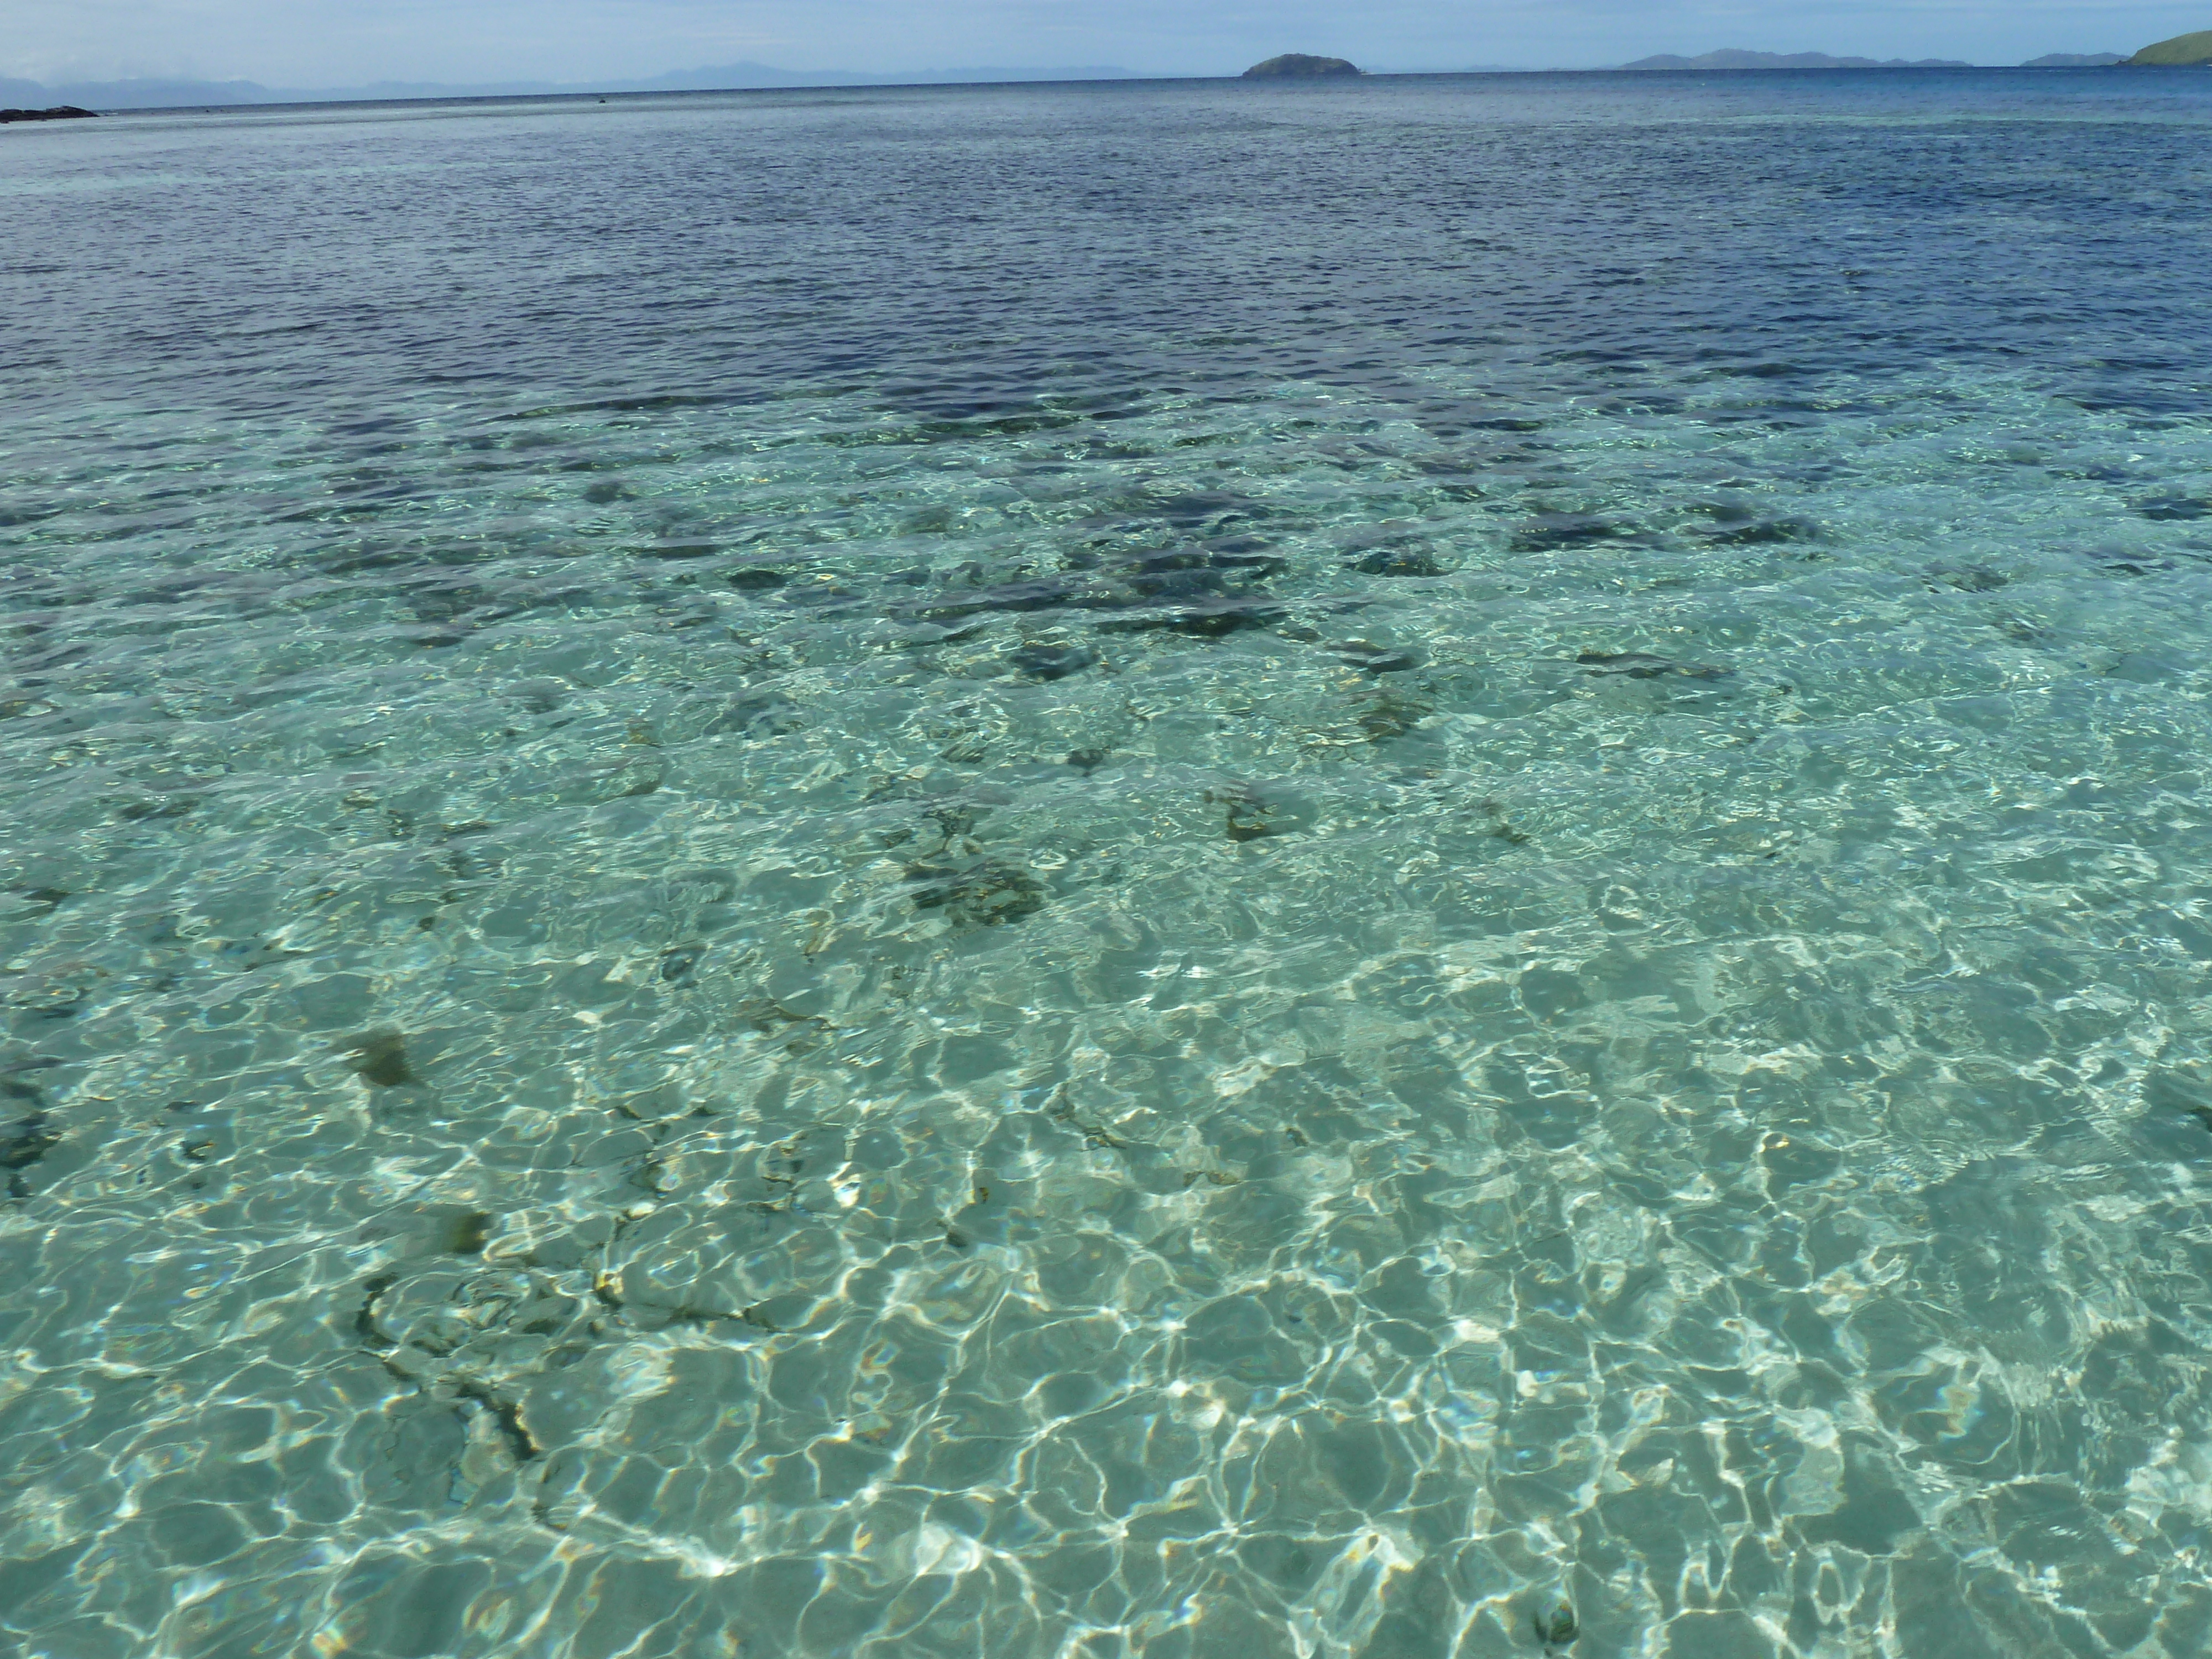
[[317, 42]]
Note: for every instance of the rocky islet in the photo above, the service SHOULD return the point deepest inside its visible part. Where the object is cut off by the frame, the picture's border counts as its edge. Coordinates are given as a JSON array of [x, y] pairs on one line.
[[1300, 66]]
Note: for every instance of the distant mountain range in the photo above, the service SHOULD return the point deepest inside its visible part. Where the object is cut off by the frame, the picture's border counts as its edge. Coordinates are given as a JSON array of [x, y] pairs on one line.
[[1743, 60], [727, 78], [745, 77]]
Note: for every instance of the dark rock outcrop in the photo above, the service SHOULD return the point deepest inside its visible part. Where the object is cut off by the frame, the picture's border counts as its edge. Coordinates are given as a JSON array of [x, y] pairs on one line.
[[1297, 65], [59, 112]]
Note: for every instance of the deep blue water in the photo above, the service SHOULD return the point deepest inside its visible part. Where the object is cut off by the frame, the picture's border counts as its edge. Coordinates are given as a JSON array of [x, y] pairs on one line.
[[1167, 869]]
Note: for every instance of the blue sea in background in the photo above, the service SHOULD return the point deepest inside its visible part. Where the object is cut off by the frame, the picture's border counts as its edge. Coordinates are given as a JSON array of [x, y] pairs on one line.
[[1407, 870]]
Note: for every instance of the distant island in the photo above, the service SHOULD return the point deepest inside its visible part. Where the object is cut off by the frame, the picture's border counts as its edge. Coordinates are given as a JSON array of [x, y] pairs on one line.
[[1299, 64], [148, 94], [1790, 60], [63, 101], [2183, 51]]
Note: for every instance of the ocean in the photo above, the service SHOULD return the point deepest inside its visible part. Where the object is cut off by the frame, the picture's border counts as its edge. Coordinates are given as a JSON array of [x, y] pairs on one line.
[[1409, 870]]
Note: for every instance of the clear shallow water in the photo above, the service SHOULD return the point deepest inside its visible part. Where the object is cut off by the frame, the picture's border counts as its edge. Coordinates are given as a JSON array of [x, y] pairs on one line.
[[1173, 870]]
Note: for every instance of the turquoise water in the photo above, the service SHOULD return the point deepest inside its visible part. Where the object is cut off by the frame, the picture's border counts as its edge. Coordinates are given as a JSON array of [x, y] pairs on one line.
[[1056, 874]]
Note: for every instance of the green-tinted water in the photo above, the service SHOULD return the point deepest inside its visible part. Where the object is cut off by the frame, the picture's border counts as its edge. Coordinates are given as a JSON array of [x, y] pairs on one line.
[[1176, 871]]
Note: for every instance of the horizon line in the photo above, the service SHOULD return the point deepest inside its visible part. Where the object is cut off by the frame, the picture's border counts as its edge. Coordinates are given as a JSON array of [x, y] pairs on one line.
[[842, 81]]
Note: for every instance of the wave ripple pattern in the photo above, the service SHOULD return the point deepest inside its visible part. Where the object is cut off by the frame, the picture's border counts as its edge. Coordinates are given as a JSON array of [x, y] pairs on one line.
[[1385, 871]]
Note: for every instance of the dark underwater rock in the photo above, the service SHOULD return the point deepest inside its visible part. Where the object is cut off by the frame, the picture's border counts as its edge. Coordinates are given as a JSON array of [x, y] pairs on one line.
[[1642, 665], [1760, 532], [2169, 508], [23, 1143], [465, 1234], [1207, 621], [1240, 556], [378, 1057], [1393, 714], [759, 714], [1052, 662], [59, 112], [1557, 533], [988, 893], [1396, 561], [2175, 1092], [1248, 820], [1248, 814], [755, 579], [1199, 576], [1209, 509], [1299, 65], [1967, 579], [1036, 593], [1555, 1623]]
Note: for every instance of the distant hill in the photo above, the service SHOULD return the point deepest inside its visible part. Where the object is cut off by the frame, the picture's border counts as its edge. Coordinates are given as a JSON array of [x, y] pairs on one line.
[[1798, 60], [1299, 65], [2074, 60], [730, 77], [2184, 51]]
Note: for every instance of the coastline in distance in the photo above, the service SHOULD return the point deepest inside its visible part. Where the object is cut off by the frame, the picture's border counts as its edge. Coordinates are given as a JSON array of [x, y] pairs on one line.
[[1729, 59], [2183, 51], [30, 99], [152, 93]]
